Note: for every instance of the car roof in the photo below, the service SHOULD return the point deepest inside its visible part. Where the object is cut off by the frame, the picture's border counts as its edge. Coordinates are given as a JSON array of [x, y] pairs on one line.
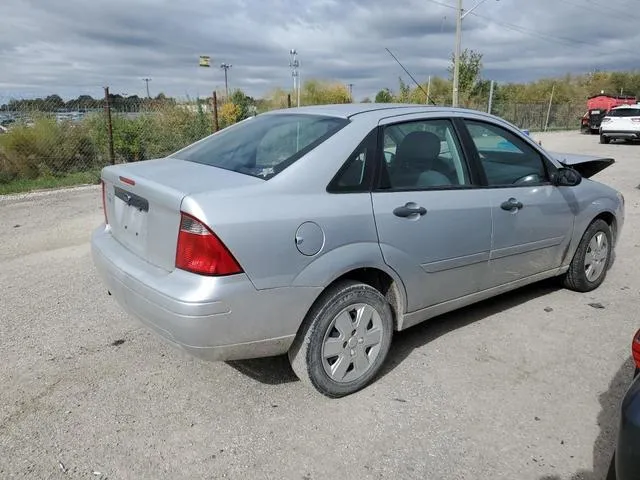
[[349, 110]]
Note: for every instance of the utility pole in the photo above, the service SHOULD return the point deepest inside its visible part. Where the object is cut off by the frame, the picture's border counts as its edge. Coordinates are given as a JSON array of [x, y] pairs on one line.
[[456, 58], [226, 67], [460, 14], [295, 74], [147, 80], [490, 107]]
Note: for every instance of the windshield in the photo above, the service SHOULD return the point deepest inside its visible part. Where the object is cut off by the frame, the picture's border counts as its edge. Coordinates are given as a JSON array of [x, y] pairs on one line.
[[624, 112], [263, 146]]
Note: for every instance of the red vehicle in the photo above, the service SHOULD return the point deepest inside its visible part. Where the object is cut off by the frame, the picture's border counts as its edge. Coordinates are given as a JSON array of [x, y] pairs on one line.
[[598, 106]]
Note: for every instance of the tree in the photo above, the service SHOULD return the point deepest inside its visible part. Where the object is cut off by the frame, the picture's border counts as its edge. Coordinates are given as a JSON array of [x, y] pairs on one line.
[[384, 96], [469, 74], [245, 104], [229, 114], [317, 92]]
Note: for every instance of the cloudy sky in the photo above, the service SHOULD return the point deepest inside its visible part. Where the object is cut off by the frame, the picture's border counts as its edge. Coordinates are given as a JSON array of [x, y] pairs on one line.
[[73, 47]]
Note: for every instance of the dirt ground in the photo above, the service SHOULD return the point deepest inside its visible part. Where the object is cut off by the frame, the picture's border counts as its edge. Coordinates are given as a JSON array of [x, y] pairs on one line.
[[525, 386]]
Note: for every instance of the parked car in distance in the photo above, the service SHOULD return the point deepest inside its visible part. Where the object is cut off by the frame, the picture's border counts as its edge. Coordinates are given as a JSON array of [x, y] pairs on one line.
[[320, 231], [626, 461], [621, 123]]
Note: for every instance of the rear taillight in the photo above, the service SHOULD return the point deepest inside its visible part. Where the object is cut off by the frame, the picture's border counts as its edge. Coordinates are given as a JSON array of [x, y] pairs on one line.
[[104, 202], [201, 251], [635, 349]]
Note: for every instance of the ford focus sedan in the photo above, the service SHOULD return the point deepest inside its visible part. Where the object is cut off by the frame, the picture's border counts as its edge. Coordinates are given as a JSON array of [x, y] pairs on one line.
[[320, 231]]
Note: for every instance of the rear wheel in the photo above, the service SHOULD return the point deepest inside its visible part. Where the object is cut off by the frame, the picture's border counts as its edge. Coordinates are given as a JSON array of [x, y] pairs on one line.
[[589, 266], [604, 139], [344, 339]]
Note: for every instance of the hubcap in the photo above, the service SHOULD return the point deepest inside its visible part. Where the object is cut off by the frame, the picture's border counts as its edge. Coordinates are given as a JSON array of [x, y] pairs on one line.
[[596, 257], [352, 343]]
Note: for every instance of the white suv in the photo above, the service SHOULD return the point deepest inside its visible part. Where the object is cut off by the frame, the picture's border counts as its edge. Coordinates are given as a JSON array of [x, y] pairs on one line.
[[621, 122]]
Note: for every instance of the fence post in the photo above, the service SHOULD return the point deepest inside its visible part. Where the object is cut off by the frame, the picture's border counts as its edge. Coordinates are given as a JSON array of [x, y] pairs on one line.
[[214, 101], [107, 111], [288, 100]]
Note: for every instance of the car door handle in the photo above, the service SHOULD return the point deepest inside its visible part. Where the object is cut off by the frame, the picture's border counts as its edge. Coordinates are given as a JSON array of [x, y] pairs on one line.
[[511, 204], [409, 210]]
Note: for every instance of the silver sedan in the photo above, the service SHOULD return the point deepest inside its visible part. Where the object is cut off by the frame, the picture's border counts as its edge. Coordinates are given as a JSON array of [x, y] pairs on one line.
[[320, 231]]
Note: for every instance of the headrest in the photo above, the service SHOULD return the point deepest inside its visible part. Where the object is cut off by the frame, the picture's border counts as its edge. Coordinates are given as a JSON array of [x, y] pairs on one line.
[[418, 147]]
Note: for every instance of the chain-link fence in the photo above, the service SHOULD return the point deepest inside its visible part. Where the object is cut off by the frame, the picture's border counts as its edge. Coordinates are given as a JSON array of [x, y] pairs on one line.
[[49, 143], [43, 145]]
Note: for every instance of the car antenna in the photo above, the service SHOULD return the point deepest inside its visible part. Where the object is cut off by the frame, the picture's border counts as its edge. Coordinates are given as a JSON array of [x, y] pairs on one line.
[[414, 80]]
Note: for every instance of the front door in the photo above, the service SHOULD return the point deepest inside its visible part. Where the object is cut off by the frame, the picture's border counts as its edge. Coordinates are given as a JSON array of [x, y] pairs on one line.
[[532, 219], [434, 226]]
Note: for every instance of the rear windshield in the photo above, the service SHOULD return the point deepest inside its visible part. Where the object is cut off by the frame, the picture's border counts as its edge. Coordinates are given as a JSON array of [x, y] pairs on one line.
[[624, 112], [264, 145]]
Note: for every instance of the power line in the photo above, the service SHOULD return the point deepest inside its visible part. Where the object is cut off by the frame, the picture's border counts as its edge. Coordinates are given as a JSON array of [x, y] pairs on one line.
[[543, 36], [604, 10]]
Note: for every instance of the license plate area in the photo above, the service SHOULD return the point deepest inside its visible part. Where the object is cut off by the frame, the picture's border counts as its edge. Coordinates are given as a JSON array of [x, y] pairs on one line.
[[131, 212]]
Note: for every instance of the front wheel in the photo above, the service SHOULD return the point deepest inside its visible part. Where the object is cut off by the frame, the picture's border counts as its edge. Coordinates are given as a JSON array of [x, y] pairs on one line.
[[590, 263], [344, 339]]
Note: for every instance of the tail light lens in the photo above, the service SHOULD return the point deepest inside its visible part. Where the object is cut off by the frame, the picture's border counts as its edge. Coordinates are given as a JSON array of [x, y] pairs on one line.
[[201, 251], [635, 349], [104, 202]]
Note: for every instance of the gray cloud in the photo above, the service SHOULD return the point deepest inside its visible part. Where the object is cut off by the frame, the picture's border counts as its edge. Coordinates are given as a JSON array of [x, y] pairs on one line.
[[76, 47]]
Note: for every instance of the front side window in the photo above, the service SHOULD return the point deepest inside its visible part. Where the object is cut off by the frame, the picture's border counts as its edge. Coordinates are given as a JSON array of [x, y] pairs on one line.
[[265, 145], [506, 159], [423, 154]]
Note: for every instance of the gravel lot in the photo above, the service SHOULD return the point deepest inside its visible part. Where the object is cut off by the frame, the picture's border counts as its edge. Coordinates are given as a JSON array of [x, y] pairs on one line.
[[503, 389]]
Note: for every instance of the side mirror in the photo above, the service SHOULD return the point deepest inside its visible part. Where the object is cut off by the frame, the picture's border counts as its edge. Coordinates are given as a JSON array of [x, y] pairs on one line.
[[567, 177]]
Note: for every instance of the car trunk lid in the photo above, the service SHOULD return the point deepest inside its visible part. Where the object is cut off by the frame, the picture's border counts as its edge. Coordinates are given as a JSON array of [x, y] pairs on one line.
[[143, 202]]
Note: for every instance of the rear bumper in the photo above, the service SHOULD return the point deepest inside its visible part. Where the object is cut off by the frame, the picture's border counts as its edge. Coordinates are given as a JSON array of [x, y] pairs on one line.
[[213, 318], [627, 134]]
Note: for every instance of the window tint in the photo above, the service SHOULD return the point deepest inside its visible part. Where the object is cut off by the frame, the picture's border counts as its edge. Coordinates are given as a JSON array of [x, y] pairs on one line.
[[506, 159], [422, 154], [263, 146], [624, 112]]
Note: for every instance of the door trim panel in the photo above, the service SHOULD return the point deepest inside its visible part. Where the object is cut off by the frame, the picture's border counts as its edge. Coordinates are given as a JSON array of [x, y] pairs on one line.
[[457, 262], [526, 247]]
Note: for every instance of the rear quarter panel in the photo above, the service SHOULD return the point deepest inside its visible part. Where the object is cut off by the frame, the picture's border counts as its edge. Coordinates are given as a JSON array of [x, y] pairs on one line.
[[258, 224]]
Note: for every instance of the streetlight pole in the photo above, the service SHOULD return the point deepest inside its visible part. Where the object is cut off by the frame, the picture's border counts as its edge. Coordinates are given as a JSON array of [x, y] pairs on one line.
[[460, 14], [226, 67]]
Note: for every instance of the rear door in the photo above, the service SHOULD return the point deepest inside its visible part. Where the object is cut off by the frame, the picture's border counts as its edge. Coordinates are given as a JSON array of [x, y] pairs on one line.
[[434, 225], [532, 219]]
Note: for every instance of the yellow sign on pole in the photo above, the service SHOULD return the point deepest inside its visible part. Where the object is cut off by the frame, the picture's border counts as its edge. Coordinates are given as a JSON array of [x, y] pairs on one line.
[[205, 61]]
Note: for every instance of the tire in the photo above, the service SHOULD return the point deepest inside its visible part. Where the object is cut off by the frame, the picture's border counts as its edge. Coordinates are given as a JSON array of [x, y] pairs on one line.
[[604, 139], [329, 325], [577, 277]]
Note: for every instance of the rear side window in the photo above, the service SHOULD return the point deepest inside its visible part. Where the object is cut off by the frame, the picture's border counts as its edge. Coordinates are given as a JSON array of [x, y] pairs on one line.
[[624, 112], [263, 146]]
